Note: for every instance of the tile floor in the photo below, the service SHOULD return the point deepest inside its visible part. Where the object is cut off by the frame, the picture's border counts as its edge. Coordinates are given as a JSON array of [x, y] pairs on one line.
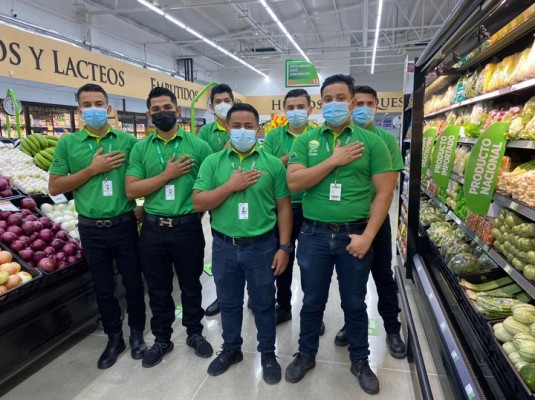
[[69, 372]]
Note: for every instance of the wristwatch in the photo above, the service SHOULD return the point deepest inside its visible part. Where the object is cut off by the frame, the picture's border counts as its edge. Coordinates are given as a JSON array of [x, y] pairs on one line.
[[288, 247]]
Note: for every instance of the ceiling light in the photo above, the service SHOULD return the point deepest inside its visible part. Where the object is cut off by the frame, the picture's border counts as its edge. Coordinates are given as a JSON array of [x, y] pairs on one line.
[[377, 28], [197, 34], [282, 28]]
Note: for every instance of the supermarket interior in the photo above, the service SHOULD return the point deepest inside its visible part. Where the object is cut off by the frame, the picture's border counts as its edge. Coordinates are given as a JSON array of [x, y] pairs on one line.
[[452, 87]]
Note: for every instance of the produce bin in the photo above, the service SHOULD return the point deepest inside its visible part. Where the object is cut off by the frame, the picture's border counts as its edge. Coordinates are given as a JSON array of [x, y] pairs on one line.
[[22, 290]]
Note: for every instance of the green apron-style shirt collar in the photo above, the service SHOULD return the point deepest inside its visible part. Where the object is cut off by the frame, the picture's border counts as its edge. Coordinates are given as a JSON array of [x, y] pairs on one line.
[[214, 136]]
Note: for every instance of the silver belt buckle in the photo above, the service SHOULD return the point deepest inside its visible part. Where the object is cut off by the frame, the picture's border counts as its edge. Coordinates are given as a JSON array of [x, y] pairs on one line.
[[166, 222], [103, 223]]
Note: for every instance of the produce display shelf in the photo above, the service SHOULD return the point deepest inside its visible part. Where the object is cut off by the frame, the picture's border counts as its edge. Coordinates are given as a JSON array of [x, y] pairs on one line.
[[440, 83], [517, 87], [405, 199], [521, 144], [436, 201], [400, 253], [406, 173], [512, 272], [467, 140], [526, 211], [454, 352], [457, 178]]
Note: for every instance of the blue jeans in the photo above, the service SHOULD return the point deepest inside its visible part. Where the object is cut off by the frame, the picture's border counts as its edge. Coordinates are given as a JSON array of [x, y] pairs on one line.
[[319, 251], [232, 267]]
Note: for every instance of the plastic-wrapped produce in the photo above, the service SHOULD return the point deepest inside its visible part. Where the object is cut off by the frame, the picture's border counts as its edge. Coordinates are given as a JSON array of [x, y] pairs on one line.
[[528, 112], [520, 65], [488, 73], [463, 263]]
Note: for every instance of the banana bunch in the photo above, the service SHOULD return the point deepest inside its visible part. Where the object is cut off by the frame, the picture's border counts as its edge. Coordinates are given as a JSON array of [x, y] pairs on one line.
[[41, 148]]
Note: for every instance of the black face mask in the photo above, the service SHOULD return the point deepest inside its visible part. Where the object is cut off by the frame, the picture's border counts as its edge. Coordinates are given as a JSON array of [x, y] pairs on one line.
[[164, 120]]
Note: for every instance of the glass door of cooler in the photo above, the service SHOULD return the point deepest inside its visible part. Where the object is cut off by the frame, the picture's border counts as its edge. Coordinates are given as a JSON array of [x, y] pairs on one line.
[[49, 120], [133, 123]]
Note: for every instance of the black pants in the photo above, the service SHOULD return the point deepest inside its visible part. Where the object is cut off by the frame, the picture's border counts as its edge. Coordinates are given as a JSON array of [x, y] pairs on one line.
[[161, 247], [387, 290], [284, 280], [101, 246]]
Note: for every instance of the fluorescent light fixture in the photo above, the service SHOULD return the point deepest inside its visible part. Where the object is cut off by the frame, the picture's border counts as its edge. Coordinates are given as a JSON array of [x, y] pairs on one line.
[[180, 24], [377, 28], [282, 28]]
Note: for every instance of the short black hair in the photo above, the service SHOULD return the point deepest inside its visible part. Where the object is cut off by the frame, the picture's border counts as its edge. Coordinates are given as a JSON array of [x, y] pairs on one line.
[[221, 88], [339, 78], [159, 91], [296, 93], [243, 107], [91, 87], [368, 90]]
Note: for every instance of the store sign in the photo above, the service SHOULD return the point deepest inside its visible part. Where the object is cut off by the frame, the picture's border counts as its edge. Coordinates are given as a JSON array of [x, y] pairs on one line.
[[389, 102], [301, 74], [483, 168], [427, 144], [444, 155], [31, 57]]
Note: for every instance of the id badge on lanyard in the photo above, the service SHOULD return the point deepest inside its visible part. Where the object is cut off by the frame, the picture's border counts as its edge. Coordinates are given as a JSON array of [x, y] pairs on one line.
[[169, 191], [335, 194], [107, 188]]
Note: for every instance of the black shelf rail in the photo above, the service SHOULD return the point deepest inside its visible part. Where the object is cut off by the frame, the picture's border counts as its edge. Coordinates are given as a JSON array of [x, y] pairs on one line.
[[520, 208]]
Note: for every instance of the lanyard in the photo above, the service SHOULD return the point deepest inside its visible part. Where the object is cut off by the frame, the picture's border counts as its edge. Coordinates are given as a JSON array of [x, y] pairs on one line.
[[94, 150], [252, 167], [160, 153], [328, 148]]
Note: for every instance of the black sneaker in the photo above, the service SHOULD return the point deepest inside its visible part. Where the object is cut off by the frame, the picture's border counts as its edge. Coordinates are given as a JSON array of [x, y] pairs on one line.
[[212, 309], [299, 367], [341, 338], [202, 348], [396, 346], [271, 369], [282, 315], [322, 328], [225, 358], [155, 354], [367, 379]]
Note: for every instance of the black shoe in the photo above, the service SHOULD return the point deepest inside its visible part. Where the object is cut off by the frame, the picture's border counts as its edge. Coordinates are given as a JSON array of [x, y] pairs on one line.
[[396, 346], [200, 344], [138, 347], [282, 315], [341, 338], [322, 328], [367, 379], [114, 347], [271, 369], [299, 367], [155, 354], [225, 358], [212, 309]]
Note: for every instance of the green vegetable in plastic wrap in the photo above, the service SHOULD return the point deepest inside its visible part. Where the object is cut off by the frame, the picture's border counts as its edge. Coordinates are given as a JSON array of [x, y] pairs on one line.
[[528, 112], [464, 263]]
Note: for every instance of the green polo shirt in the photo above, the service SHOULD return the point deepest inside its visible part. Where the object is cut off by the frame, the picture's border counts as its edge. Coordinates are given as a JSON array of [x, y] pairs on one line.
[[215, 136], [74, 152], [145, 163], [314, 147], [392, 145], [260, 197], [279, 142]]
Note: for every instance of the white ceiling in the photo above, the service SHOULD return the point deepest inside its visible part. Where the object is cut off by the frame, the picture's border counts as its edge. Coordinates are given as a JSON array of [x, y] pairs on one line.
[[329, 31]]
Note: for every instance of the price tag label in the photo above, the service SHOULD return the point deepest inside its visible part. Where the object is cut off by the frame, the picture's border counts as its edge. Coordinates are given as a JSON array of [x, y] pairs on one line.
[[60, 198], [454, 356], [469, 391], [8, 206], [443, 326], [431, 296], [507, 268]]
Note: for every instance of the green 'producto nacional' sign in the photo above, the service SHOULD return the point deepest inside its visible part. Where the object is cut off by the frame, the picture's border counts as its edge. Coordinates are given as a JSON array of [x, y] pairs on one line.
[[427, 144], [444, 155], [483, 168], [301, 74]]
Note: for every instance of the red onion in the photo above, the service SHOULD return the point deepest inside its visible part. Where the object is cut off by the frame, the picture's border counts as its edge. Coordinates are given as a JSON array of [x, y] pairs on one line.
[[38, 244], [18, 245], [46, 235], [26, 254], [28, 203], [8, 237], [69, 249], [60, 256], [63, 236], [6, 193], [25, 239], [31, 218], [63, 264], [47, 223], [71, 260], [47, 264], [25, 213], [15, 219], [4, 184], [4, 215], [57, 244], [56, 228], [3, 224], [27, 227], [49, 251], [17, 230], [37, 226], [38, 256]]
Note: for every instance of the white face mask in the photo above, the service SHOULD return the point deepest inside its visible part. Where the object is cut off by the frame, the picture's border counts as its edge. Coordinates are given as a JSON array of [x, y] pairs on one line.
[[221, 110], [243, 139]]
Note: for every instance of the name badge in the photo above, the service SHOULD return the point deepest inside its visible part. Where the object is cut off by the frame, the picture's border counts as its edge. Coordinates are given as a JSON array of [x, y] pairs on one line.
[[243, 211], [336, 192], [107, 188], [169, 192]]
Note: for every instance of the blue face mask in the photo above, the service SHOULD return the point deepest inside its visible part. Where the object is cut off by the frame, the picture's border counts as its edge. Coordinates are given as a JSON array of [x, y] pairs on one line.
[[243, 139], [363, 115], [297, 118], [95, 117], [335, 112]]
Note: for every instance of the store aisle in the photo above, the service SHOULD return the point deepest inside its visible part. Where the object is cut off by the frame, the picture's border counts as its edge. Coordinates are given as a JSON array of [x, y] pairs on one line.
[[69, 372]]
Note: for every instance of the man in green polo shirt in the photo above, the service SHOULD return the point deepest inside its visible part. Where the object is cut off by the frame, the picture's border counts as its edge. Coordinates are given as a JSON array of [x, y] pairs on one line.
[[217, 137], [340, 223], [162, 169], [92, 164], [297, 107], [245, 188], [388, 305]]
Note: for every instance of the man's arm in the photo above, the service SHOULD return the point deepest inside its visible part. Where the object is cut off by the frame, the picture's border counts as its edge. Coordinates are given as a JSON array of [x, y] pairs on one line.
[[101, 163], [360, 244], [285, 223], [301, 178]]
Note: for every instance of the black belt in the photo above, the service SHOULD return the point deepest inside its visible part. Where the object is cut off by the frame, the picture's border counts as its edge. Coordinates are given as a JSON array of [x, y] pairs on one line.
[[297, 206], [106, 223], [337, 227], [173, 221], [243, 241]]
